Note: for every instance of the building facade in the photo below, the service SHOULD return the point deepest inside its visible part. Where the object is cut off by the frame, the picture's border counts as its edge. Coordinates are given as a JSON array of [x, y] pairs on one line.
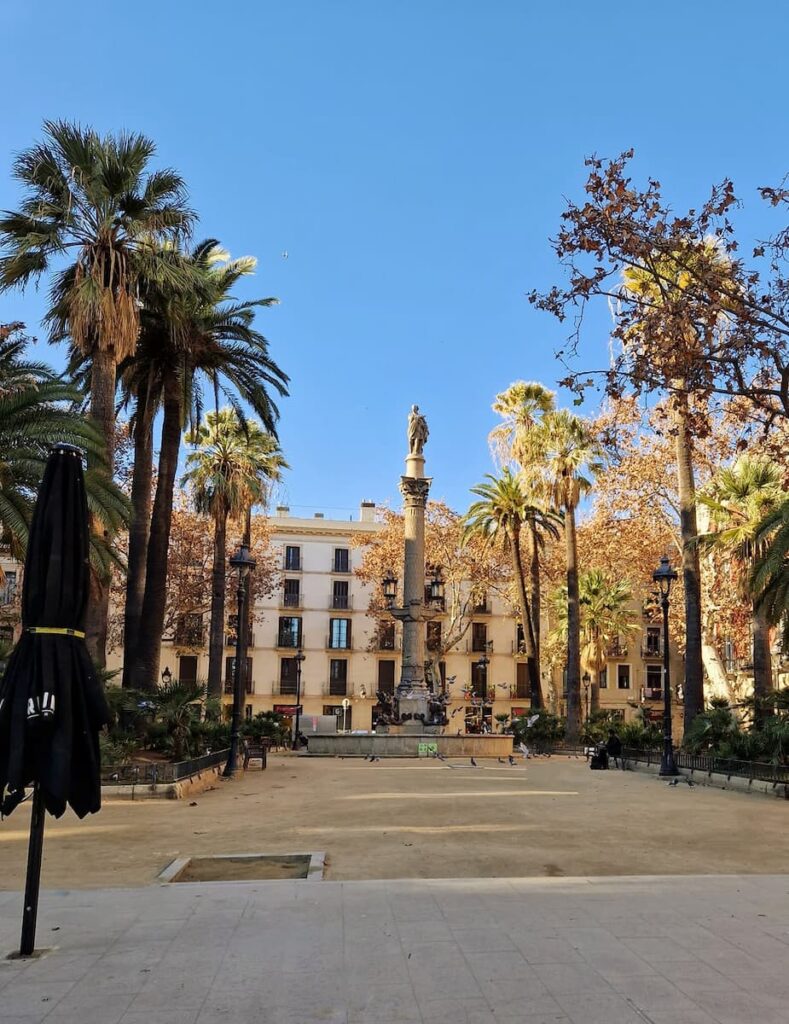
[[321, 607]]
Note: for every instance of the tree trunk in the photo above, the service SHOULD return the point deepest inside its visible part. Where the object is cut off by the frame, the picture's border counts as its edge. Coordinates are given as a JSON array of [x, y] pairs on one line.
[[532, 667], [573, 630], [717, 678], [139, 527], [534, 595], [102, 411], [691, 576], [216, 635], [762, 665], [146, 666]]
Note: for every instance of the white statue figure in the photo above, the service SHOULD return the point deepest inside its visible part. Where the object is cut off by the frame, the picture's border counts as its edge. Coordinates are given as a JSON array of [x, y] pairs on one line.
[[417, 431]]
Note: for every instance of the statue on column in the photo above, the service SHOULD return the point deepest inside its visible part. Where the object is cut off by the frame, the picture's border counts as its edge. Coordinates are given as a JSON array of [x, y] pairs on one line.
[[417, 431]]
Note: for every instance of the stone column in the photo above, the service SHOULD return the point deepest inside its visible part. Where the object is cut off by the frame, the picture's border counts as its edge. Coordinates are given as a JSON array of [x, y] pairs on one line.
[[412, 692]]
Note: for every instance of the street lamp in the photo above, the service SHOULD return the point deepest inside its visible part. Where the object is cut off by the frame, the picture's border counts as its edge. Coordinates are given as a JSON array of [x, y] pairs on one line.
[[389, 584], [437, 588], [587, 679], [664, 576], [167, 676], [242, 561], [482, 665], [299, 658]]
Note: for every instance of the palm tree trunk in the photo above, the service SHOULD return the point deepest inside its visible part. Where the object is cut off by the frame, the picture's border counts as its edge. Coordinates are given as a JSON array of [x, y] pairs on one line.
[[146, 666], [532, 667], [691, 575], [573, 629], [762, 665], [139, 526], [216, 635], [534, 595], [102, 411]]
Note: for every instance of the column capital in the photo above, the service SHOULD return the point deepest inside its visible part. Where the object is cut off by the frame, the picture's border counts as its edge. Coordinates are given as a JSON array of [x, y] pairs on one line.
[[415, 489]]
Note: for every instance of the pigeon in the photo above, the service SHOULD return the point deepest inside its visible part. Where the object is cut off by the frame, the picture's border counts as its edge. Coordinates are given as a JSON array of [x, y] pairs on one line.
[[501, 760], [512, 759], [674, 782], [473, 762], [690, 782], [440, 756]]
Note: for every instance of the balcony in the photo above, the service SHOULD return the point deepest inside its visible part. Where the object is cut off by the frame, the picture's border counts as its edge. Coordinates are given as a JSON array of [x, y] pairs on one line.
[[189, 636], [478, 645], [335, 689], [334, 643], [652, 693], [387, 643], [231, 639], [248, 688], [652, 650], [482, 609], [337, 569], [290, 601], [616, 649], [341, 602], [518, 647], [288, 641], [9, 594], [283, 688]]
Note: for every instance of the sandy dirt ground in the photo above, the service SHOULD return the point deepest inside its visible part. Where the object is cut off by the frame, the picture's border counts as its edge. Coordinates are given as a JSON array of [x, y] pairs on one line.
[[411, 819]]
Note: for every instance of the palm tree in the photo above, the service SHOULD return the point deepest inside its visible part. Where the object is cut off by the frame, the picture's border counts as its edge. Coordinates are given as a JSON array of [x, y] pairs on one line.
[[37, 410], [522, 407], [90, 200], [229, 471], [186, 340], [769, 580], [567, 457], [499, 518], [659, 283], [606, 614], [739, 497]]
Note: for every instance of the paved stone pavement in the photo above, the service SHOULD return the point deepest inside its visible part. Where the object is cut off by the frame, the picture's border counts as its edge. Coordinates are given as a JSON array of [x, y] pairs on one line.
[[634, 950]]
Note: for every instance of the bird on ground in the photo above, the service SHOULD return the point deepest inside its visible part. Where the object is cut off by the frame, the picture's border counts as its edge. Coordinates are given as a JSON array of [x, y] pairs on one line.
[[473, 763], [512, 759], [674, 782], [501, 760], [690, 782], [503, 686]]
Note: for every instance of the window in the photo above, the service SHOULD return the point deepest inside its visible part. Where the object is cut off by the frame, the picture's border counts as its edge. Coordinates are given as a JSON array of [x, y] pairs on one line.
[[481, 604], [8, 592], [602, 679], [438, 604], [342, 560], [338, 677], [623, 677], [479, 680], [654, 682], [522, 687], [340, 634], [386, 636], [287, 675], [520, 641], [289, 634], [248, 712], [386, 677], [187, 668], [230, 668], [652, 641], [291, 593], [339, 596], [433, 635], [292, 558], [189, 630], [479, 636]]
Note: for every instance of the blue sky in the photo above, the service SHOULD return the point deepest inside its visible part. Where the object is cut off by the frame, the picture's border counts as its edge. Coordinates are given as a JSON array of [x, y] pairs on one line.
[[411, 158]]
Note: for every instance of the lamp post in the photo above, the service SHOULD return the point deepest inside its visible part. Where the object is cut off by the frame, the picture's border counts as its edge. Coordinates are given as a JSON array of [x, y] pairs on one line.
[[298, 659], [482, 665], [167, 676], [242, 561], [664, 576], [587, 679]]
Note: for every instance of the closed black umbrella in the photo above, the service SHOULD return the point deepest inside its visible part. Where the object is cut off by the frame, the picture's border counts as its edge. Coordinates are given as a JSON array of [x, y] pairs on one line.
[[51, 702]]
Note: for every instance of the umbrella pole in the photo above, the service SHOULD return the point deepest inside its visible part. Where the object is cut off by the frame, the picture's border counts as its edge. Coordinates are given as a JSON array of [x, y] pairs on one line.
[[33, 880]]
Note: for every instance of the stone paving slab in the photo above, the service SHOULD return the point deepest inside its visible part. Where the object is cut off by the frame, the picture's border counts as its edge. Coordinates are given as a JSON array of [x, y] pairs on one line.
[[648, 950]]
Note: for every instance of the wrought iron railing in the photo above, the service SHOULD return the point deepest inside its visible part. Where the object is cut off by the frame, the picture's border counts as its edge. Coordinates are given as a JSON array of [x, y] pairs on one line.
[[729, 766], [153, 773]]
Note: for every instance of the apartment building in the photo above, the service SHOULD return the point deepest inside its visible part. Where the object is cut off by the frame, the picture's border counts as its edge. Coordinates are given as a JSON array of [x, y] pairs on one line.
[[320, 608]]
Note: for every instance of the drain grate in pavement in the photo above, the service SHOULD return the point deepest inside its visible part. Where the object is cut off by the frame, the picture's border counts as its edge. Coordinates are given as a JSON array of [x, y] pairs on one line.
[[245, 867]]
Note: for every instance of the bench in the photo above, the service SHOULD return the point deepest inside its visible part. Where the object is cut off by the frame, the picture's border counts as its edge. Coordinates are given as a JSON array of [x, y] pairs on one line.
[[256, 752]]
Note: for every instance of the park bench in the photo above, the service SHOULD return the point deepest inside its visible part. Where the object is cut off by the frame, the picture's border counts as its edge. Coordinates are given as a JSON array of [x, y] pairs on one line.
[[256, 751]]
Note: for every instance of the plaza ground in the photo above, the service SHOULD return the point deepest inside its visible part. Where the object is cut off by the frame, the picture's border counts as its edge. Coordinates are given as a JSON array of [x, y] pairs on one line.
[[419, 819]]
